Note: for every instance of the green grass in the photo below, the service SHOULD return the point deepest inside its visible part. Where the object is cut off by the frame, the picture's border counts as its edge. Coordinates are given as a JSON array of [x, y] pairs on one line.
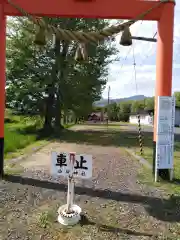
[[148, 152], [146, 174], [21, 134], [15, 140], [114, 124], [16, 137]]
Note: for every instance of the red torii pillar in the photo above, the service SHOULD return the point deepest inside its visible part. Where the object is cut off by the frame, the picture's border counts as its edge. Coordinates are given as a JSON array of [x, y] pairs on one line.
[[2, 84], [117, 9], [164, 64]]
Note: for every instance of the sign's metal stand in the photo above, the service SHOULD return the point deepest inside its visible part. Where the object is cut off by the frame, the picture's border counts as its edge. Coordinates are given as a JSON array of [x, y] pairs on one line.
[[70, 214], [70, 193]]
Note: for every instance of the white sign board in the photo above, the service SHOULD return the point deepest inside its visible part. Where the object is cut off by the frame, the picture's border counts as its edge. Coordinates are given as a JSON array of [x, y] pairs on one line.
[[165, 132], [62, 165]]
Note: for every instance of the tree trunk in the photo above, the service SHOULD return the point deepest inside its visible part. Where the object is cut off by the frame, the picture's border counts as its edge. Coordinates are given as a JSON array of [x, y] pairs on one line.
[[58, 114], [60, 64], [49, 111], [65, 118], [50, 100]]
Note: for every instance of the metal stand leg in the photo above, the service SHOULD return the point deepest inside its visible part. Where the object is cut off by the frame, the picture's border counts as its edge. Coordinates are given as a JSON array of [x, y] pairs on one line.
[[171, 174], [156, 175]]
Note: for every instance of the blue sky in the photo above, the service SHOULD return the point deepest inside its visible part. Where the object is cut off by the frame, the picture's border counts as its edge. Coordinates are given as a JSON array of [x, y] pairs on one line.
[[121, 74]]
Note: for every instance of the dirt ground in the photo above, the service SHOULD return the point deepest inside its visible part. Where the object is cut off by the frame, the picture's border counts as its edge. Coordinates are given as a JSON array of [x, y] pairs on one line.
[[115, 204]]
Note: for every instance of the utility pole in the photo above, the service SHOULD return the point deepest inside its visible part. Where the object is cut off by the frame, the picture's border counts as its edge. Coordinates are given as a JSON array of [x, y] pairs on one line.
[[109, 89]]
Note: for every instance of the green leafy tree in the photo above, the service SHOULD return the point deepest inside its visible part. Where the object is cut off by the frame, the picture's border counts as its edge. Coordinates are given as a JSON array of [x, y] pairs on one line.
[[49, 81], [124, 111], [113, 111], [149, 103], [137, 106], [98, 109], [177, 96]]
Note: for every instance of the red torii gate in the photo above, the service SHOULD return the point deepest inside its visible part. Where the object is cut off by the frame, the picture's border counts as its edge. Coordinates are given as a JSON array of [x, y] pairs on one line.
[[112, 9]]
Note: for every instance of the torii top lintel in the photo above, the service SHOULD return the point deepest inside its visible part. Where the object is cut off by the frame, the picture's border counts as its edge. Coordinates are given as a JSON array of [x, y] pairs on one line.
[[108, 9]]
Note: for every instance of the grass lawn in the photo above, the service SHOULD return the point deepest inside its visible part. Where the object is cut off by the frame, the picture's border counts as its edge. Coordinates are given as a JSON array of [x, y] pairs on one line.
[[113, 124], [146, 174], [16, 138], [21, 135]]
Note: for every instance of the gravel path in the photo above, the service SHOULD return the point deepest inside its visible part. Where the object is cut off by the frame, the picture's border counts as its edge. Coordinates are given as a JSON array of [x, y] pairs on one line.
[[116, 205]]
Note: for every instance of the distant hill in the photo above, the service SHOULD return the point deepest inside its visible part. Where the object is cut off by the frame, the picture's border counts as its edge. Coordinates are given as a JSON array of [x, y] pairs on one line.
[[104, 102]]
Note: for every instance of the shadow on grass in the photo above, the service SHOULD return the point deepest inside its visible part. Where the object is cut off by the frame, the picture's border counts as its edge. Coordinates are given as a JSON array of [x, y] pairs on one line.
[[162, 209], [31, 129], [104, 138], [176, 181], [104, 228], [41, 133], [110, 137], [9, 120]]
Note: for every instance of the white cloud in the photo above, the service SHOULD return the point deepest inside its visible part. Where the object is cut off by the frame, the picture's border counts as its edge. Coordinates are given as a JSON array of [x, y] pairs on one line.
[[121, 74]]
